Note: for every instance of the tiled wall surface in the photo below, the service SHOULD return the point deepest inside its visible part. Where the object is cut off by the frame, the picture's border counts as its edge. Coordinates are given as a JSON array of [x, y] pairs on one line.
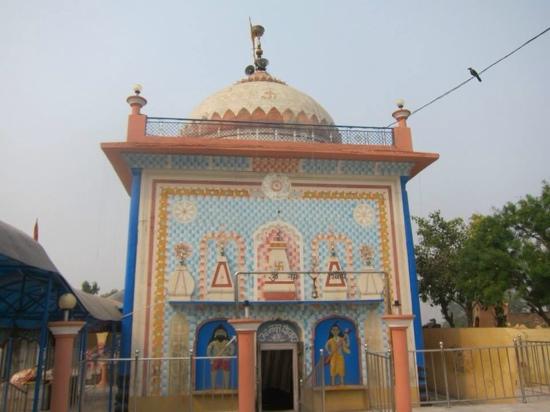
[[313, 215], [235, 163]]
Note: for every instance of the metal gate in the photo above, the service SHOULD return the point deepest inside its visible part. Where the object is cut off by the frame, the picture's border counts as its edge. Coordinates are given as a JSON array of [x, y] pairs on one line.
[[379, 370]]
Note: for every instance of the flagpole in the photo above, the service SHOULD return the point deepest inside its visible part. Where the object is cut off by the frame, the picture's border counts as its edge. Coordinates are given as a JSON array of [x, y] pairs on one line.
[[35, 231]]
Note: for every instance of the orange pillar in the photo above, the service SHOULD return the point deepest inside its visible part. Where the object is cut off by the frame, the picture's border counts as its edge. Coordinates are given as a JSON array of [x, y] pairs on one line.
[[398, 325], [401, 133], [137, 122], [64, 333], [246, 341]]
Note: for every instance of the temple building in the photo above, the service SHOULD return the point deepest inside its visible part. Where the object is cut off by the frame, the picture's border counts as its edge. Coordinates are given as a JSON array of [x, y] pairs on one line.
[[259, 202]]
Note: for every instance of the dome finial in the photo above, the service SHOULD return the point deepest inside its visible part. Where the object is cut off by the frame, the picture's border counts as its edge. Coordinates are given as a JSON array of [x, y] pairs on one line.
[[260, 63]]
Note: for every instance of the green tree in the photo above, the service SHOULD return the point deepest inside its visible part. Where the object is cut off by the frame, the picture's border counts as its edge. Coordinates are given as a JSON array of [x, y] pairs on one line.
[[493, 258], [91, 288], [437, 252], [528, 221], [488, 265]]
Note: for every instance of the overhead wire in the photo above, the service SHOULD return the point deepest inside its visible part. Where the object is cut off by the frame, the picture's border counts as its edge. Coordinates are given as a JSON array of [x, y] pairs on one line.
[[458, 86]]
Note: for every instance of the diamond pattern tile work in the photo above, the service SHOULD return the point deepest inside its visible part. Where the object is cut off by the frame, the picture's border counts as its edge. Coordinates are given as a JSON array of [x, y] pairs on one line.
[[312, 218], [146, 161], [261, 164], [268, 165], [189, 162], [325, 167], [356, 167], [394, 168], [230, 163], [308, 216]]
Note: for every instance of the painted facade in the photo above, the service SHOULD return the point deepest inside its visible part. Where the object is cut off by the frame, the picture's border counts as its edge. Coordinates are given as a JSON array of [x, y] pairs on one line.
[[205, 208], [198, 229]]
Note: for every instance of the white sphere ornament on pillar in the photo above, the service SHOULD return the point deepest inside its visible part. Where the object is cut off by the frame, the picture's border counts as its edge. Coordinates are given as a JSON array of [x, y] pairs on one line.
[[66, 302], [136, 101], [400, 103], [137, 88]]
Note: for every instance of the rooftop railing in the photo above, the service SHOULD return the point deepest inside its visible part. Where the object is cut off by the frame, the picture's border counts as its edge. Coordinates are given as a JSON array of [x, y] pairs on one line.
[[359, 135]]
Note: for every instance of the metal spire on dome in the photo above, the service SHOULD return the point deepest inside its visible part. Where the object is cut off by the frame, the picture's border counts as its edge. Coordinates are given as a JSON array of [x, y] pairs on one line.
[[260, 63]]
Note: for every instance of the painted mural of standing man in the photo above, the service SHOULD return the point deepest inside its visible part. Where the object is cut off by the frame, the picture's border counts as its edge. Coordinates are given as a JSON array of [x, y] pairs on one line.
[[220, 345], [337, 347]]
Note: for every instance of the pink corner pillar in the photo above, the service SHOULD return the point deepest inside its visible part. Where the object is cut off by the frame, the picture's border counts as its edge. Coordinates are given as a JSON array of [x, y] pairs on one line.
[[398, 325], [246, 341], [64, 333]]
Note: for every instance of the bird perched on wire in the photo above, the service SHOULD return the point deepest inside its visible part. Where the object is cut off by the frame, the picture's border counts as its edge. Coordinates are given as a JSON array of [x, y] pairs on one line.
[[474, 74]]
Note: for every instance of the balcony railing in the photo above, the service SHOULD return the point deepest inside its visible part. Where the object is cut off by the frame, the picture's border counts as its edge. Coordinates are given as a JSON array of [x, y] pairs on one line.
[[226, 129]]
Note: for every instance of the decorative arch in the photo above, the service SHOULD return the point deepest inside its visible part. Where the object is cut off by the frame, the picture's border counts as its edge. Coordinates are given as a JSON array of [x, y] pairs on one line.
[[337, 360], [209, 241], [257, 114], [263, 237], [336, 238], [276, 331], [215, 373], [229, 115]]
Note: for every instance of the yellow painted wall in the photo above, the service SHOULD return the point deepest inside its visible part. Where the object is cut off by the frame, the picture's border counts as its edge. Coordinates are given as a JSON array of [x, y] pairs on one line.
[[181, 403], [467, 337], [482, 371], [346, 398]]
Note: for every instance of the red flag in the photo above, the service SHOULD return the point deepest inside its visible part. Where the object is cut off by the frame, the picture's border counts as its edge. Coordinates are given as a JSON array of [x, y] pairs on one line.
[[35, 231]]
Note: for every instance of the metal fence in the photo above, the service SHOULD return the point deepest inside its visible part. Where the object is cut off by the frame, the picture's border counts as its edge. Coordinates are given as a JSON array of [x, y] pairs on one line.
[[19, 391], [376, 391], [312, 388], [14, 399], [192, 383], [176, 127], [534, 359], [481, 374], [379, 372]]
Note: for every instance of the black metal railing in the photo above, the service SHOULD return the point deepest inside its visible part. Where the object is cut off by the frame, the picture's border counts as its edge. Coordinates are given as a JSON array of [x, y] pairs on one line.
[[228, 129]]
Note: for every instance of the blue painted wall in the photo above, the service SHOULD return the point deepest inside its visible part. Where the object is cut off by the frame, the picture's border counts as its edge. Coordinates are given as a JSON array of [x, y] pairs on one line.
[[415, 297], [351, 360], [203, 366], [129, 280]]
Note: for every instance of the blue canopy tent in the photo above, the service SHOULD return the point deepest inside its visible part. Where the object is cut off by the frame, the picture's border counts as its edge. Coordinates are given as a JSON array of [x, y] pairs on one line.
[[30, 287]]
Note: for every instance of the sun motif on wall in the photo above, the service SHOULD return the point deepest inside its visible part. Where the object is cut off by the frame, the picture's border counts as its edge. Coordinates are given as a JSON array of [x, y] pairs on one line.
[[185, 211], [276, 186], [364, 215]]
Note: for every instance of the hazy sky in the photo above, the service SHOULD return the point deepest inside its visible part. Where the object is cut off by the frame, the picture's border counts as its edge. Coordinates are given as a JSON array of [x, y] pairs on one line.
[[66, 68]]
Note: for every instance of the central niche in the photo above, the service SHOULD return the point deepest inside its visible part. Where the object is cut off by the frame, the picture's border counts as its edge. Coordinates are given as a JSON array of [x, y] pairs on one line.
[[278, 249]]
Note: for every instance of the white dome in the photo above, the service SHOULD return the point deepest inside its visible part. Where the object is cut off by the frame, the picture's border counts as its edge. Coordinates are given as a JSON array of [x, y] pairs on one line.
[[260, 97]]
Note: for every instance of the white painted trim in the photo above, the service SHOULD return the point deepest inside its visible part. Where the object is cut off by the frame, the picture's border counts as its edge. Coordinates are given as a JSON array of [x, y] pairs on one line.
[[70, 329], [399, 322]]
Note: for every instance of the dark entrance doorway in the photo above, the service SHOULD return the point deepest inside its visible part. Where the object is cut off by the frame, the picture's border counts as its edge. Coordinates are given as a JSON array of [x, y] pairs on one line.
[[278, 376]]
